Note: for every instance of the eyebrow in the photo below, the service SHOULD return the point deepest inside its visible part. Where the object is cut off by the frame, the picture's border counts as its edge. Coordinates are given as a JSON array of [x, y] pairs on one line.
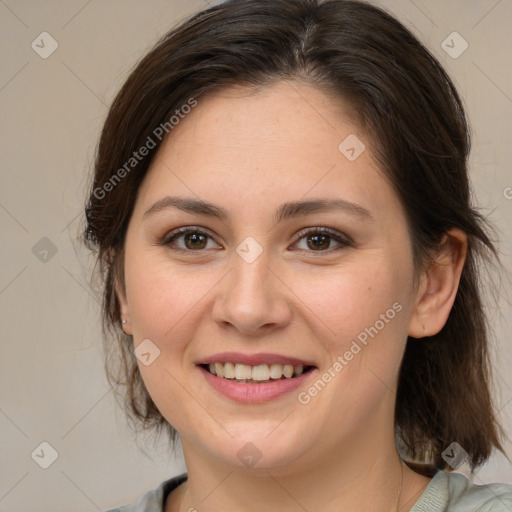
[[283, 212]]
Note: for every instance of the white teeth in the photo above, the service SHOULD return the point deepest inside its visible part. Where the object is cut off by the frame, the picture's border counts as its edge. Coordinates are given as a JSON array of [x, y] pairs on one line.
[[243, 371], [219, 369], [261, 372], [276, 371], [229, 371], [288, 371]]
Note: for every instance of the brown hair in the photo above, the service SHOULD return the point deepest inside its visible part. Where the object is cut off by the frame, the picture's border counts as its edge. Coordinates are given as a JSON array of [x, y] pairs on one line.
[[408, 106]]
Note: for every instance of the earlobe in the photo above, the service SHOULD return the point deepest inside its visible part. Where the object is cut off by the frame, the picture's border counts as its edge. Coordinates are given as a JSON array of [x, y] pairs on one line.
[[438, 286], [124, 310]]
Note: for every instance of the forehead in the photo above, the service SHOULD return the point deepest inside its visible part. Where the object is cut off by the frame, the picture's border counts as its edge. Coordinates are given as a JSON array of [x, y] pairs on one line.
[[282, 113], [287, 139]]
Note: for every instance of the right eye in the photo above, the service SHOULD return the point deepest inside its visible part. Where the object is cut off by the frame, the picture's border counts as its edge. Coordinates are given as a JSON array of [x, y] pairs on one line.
[[193, 239]]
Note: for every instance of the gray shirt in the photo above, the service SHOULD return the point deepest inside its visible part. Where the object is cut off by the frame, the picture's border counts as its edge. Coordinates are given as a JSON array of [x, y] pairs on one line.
[[446, 492]]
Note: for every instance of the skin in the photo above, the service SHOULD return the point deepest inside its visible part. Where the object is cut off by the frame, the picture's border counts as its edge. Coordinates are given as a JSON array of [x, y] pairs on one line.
[[249, 151]]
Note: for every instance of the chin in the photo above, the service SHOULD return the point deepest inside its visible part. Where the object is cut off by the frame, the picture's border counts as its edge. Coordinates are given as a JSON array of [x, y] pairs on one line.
[[262, 449]]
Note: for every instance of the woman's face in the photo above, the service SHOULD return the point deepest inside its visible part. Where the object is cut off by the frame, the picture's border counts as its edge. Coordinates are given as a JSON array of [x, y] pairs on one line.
[[261, 288]]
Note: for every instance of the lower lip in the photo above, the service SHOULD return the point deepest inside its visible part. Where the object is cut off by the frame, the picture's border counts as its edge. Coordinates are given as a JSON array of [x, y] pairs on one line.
[[254, 393]]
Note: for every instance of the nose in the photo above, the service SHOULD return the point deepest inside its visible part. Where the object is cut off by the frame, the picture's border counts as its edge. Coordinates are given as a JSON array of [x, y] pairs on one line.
[[253, 298]]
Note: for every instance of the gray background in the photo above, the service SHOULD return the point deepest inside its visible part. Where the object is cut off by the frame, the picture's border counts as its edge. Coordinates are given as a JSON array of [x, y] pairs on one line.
[[52, 383]]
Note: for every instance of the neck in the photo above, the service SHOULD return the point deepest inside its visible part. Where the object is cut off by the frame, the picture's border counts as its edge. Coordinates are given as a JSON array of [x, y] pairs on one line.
[[366, 474]]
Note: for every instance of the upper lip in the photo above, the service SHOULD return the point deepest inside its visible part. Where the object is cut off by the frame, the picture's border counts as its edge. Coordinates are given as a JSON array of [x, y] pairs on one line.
[[254, 359]]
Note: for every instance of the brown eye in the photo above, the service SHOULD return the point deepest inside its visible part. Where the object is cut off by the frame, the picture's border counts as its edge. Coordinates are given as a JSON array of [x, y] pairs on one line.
[[192, 240], [320, 240]]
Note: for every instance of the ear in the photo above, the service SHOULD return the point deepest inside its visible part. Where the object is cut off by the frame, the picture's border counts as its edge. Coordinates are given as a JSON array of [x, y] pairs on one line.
[[123, 305], [438, 286]]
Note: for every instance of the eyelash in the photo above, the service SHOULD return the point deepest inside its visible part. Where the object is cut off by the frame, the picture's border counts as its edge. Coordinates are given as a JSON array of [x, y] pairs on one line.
[[344, 241]]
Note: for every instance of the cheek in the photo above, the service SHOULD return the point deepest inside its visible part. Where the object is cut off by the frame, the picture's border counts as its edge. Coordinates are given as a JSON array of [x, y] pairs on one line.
[[364, 307], [351, 298], [164, 304], [160, 295]]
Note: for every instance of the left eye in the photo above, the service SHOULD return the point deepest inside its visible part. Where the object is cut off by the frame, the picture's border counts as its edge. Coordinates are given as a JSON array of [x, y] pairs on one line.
[[317, 239]]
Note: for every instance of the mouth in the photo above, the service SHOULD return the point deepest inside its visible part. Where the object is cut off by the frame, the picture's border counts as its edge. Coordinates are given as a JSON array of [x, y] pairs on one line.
[[255, 378], [258, 374]]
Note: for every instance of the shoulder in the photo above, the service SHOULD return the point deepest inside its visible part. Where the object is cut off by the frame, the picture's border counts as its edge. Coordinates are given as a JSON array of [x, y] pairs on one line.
[[154, 500], [485, 498], [453, 492]]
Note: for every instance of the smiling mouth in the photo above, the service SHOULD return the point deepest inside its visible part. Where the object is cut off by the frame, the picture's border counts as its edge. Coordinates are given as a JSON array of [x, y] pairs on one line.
[[259, 374]]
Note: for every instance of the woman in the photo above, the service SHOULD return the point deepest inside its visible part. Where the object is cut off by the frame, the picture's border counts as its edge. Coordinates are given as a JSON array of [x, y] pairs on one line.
[[282, 215]]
